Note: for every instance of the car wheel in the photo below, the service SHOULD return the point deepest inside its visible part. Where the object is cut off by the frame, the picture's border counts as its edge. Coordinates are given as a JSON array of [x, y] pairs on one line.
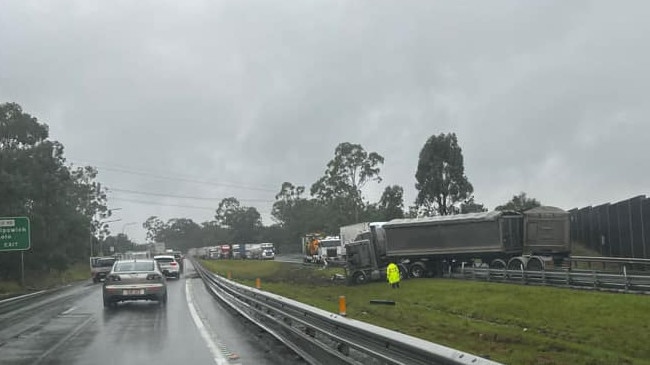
[[107, 303], [163, 299]]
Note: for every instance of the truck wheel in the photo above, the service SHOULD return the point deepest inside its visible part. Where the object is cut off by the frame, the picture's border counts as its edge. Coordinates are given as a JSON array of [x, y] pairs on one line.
[[359, 278], [498, 264], [535, 264], [418, 270]]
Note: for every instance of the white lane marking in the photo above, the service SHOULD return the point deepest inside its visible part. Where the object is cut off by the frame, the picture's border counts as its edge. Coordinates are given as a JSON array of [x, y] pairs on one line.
[[64, 340], [218, 358], [68, 311]]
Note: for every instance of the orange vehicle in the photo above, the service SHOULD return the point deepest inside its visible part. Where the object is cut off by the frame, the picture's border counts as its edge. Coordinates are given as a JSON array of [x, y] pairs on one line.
[[310, 244]]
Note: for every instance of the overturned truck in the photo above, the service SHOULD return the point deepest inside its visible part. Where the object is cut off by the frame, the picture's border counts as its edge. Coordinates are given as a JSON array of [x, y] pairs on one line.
[[428, 246]]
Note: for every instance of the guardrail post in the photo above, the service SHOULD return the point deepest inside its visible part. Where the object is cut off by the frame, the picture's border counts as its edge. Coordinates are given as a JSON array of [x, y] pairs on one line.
[[342, 306], [595, 279], [258, 283], [568, 277], [229, 275]]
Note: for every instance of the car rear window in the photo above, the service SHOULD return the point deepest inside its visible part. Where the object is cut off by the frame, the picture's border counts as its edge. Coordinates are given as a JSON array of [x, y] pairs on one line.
[[103, 262], [134, 266], [165, 259]]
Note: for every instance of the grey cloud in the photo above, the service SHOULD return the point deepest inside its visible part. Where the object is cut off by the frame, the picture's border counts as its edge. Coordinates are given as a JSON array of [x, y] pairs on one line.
[[546, 97]]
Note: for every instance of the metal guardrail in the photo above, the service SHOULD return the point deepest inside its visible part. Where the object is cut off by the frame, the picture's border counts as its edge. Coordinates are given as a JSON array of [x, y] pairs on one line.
[[581, 279], [618, 260], [10, 304], [321, 337]]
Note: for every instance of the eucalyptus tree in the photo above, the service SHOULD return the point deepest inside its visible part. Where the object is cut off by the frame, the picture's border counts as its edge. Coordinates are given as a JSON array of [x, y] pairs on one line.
[[441, 181], [64, 203], [345, 176], [391, 203], [244, 223]]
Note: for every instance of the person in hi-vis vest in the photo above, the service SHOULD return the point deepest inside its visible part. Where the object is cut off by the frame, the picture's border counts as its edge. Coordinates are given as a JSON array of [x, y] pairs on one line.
[[392, 275]]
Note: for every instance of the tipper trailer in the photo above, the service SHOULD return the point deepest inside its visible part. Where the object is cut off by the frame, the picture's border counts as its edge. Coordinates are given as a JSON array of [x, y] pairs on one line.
[[428, 246]]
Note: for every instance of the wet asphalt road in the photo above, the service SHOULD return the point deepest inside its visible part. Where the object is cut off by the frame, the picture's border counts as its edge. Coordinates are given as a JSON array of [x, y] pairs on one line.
[[72, 327]]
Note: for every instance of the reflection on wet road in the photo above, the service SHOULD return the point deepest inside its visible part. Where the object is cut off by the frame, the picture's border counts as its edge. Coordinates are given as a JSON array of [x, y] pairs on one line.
[[74, 328]]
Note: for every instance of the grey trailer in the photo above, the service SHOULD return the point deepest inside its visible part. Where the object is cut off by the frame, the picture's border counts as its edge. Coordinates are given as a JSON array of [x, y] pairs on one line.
[[433, 243], [547, 231]]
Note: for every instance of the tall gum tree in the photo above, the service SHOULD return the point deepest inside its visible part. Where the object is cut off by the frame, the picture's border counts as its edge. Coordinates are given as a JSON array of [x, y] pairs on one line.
[[346, 175], [63, 203], [441, 181]]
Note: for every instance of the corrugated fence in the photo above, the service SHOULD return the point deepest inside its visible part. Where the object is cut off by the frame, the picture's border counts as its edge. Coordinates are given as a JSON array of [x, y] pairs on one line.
[[614, 229]]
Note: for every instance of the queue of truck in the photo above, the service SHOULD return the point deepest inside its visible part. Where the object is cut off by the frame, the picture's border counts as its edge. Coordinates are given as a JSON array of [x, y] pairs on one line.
[[430, 246], [248, 251]]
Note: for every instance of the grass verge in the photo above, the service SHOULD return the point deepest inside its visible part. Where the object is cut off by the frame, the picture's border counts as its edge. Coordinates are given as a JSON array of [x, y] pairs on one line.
[[512, 324], [39, 281]]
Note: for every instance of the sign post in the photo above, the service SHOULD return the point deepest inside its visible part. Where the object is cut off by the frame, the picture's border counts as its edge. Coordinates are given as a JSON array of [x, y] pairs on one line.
[[15, 236]]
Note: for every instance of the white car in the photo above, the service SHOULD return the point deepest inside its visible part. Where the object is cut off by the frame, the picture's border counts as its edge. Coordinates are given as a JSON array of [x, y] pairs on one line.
[[168, 265]]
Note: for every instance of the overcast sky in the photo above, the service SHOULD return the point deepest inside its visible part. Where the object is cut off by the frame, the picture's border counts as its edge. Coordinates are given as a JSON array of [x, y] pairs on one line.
[[211, 99]]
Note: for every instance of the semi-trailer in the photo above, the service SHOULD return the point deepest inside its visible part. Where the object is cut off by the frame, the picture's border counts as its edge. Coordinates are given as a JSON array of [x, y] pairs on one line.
[[428, 246]]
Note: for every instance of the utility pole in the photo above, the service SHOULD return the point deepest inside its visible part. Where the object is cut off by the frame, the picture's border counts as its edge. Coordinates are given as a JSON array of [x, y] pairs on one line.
[[124, 227]]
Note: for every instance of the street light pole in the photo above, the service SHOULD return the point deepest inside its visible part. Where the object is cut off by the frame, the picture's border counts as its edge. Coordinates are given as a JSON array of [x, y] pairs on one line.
[[101, 224], [124, 227]]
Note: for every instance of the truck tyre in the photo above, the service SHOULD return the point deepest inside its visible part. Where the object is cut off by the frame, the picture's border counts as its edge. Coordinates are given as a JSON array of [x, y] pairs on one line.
[[359, 278], [535, 263], [418, 270], [498, 264], [517, 263]]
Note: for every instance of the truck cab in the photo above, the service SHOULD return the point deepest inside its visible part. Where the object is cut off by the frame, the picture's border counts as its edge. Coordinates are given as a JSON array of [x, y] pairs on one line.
[[268, 251], [329, 249]]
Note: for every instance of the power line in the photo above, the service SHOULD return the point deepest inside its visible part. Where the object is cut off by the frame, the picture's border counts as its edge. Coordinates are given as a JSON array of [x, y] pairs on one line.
[[172, 205], [128, 191], [179, 178], [162, 204]]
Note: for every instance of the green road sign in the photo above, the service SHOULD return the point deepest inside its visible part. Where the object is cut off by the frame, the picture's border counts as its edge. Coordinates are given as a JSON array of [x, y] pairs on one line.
[[14, 234]]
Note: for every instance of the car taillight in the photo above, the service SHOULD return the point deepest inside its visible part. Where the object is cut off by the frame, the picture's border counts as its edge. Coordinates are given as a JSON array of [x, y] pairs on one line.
[[173, 264], [154, 277], [114, 278]]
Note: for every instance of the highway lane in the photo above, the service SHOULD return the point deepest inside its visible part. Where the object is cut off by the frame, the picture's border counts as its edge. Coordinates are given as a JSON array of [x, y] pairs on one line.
[[72, 327]]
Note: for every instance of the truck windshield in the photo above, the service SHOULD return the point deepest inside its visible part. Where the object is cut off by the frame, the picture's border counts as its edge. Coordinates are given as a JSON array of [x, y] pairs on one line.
[[330, 243]]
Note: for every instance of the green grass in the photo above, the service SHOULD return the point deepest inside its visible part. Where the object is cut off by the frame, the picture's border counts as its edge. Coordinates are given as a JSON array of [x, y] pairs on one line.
[[39, 281], [513, 324]]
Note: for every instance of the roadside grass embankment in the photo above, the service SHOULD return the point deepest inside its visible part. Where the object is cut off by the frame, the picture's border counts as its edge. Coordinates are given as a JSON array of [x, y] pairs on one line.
[[509, 323], [39, 281]]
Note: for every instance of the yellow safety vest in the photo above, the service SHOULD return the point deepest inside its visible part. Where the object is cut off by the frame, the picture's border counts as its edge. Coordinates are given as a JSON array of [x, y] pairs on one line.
[[392, 274]]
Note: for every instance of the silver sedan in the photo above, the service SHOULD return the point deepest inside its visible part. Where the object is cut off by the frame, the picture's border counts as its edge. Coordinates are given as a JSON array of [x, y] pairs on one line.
[[138, 279]]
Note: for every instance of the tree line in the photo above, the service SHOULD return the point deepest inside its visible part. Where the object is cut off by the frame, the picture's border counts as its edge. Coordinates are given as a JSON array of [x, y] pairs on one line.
[[65, 204], [68, 211], [336, 199]]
